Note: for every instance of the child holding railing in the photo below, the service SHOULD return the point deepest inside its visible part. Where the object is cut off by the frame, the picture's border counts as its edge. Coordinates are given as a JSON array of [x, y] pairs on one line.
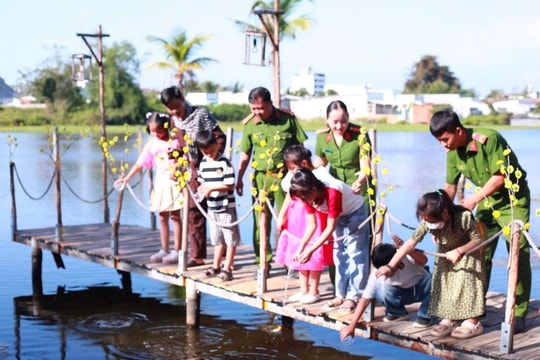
[[161, 153], [459, 278]]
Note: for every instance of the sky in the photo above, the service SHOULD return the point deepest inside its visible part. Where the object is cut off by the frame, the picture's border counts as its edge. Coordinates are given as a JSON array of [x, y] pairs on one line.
[[487, 44]]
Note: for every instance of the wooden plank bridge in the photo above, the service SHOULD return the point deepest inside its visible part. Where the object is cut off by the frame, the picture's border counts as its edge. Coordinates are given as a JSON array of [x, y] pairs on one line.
[[93, 243]]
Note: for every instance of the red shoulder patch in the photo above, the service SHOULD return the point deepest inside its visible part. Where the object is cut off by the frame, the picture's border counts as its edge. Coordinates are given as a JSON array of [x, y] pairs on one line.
[[479, 137]]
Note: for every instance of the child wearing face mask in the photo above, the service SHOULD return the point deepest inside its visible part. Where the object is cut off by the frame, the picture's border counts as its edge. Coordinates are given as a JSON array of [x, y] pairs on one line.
[[457, 290]]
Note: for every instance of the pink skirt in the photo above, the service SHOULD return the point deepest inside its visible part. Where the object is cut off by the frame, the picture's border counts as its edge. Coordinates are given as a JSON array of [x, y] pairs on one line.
[[291, 236]]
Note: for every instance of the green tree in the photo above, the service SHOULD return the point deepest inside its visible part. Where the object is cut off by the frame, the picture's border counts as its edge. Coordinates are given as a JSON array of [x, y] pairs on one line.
[[180, 54], [428, 77], [53, 85], [124, 100], [288, 26]]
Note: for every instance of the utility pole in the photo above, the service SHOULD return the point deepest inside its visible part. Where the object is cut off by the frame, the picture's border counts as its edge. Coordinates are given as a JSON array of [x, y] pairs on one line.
[[274, 39], [99, 60]]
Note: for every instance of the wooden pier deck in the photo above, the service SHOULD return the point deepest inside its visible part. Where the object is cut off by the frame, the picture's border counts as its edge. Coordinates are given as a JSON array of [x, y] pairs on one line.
[[93, 243]]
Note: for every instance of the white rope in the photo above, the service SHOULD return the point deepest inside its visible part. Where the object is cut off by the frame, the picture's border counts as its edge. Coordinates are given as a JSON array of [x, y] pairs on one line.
[[482, 244], [148, 208], [366, 221], [205, 214]]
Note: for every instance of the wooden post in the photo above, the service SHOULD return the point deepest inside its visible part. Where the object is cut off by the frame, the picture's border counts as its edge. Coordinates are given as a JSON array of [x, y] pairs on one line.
[[193, 303], [229, 143], [57, 182], [263, 265], [115, 246], [183, 253], [37, 260], [507, 327], [276, 62], [13, 202], [99, 60]]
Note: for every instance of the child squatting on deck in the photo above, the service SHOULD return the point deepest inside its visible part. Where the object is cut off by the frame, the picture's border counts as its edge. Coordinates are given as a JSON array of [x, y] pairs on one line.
[[408, 284], [457, 290], [161, 152], [346, 212], [216, 179]]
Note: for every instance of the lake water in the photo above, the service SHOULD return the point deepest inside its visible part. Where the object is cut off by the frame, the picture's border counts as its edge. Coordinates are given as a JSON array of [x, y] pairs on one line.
[[96, 322]]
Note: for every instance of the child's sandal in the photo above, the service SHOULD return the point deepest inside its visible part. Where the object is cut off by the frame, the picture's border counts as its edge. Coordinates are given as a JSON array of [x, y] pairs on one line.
[[225, 275], [444, 328], [212, 272], [467, 330]]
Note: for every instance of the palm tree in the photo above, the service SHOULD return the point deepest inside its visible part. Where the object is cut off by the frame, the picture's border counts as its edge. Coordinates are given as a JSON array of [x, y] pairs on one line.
[[284, 27], [180, 54]]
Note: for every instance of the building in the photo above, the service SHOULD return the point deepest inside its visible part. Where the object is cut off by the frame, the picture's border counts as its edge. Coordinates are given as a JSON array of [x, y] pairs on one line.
[[312, 83]]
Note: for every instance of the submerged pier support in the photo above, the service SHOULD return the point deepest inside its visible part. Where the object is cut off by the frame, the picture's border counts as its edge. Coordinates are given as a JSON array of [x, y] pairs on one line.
[[193, 305], [37, 262]]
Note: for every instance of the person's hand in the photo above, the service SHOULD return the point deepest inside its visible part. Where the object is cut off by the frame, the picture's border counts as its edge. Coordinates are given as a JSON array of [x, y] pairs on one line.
[[356, 187], [239, 187], [346, 331], [397, 241], [384, 271], [280, 222], [468, 203], [454, 255], [305, 256]]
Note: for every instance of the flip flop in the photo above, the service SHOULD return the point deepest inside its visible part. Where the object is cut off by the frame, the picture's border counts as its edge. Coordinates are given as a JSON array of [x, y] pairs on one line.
[[445, 327], [467, 330]]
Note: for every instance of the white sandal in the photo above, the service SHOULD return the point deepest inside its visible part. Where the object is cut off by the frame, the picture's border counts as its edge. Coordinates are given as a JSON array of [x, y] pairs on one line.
[[467, 330], [443, 328]]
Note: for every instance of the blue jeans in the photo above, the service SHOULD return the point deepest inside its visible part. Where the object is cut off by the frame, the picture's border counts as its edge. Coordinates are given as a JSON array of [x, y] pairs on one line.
[[351, 255], [394, 298]]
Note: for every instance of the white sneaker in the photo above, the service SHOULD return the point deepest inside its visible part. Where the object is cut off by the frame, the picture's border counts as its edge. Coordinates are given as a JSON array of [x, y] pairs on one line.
[[172, 258], [158, 257]]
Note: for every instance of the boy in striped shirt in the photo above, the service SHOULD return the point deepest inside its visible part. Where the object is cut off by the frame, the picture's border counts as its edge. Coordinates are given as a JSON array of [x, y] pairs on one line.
[[216, 179]]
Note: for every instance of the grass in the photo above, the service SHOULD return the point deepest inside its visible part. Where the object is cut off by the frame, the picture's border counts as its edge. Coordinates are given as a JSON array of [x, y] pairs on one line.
[[309, 126]]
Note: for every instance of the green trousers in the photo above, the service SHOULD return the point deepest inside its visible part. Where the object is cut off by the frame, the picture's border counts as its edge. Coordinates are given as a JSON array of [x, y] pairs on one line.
[[263, 181], [521, 212]]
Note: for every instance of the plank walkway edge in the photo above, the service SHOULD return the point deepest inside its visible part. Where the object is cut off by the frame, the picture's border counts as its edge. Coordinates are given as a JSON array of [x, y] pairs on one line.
[[138, 243]]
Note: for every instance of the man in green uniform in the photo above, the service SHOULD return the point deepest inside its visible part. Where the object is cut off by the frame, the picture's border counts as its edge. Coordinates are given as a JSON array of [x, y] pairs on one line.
[[479, 154], [267, 136]]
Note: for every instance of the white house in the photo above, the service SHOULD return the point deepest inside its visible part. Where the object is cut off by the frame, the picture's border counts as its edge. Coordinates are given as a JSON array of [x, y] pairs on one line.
[[307, 80], [515, 106]]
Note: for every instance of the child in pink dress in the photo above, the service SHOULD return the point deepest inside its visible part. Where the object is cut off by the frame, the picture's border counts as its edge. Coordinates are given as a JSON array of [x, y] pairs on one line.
[[294, 222], [161, 152]]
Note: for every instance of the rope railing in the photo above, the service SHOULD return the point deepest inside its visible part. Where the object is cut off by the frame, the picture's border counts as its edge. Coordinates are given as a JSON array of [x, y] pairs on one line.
[[26, 191], [479, 246], [364, 223], [205, 214]]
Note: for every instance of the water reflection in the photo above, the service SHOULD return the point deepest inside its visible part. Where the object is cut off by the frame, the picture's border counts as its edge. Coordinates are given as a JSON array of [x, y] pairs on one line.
[[128, 326]]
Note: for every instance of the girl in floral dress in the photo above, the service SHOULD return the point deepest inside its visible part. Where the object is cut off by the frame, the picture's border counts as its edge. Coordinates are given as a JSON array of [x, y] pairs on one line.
[[457, 290]]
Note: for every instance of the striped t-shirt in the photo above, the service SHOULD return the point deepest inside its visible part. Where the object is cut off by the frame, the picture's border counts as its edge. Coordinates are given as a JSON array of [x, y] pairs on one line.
[[219, 171]]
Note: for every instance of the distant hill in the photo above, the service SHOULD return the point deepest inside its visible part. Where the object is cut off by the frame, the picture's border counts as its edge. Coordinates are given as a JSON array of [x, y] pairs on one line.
[[6, 92]]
